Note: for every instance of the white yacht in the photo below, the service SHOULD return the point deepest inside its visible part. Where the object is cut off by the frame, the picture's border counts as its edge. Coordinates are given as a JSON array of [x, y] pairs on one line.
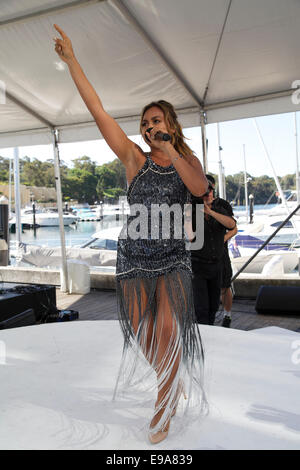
[[250, 237], [106, 239], [280, 209], [264, 226], [87, 214], [111, 211], [242, 247], [45, 218], [99, 251]]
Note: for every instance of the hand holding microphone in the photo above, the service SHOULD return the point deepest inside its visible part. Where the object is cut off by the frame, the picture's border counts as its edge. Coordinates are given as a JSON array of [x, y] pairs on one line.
[[162, 136]]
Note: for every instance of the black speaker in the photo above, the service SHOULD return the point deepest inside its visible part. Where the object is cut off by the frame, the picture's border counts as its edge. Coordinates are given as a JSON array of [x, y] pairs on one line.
[[278, 300], [16, 298], [21, 319]]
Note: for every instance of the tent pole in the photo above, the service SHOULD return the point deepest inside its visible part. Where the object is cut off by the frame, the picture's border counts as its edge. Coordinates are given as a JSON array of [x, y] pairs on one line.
[[224, 182], [297, 163], [204, 142], [246, 184], [64, 284], [17, 196], [220, 175], [9, 188]]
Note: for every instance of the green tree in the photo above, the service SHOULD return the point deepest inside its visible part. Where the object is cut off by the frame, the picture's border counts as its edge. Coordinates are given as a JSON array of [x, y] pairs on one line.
[[32, 172], [81, 185], [288, 181], [233, 187], [263, 188], [114, 193], [106, 180], [4, 169], [84, 163], [120, 173]]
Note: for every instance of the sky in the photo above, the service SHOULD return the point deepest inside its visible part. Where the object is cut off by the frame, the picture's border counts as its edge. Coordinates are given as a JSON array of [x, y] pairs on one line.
[[278, 132]]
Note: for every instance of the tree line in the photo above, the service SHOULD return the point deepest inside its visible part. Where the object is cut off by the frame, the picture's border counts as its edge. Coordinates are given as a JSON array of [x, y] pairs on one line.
[[88, 182], [85, 181], [263, 188]]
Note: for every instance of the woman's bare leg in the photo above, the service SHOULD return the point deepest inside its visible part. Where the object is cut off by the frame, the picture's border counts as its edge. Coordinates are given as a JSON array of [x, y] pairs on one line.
[[168, 354], [142, 326], [158, 339]]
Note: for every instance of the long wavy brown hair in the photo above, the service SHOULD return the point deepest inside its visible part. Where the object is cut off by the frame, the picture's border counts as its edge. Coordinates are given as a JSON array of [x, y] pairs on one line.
[[177, 138]]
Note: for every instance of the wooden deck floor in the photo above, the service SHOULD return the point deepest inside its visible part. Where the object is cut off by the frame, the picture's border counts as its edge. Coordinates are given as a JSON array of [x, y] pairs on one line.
[[102, 305]]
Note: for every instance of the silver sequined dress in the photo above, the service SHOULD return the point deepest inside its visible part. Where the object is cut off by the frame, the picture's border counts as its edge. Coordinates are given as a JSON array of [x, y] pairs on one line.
[[155, 299], [153, 185]]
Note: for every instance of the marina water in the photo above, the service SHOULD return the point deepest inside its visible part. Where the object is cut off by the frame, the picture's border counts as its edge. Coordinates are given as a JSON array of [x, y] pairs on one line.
[[78, 234]]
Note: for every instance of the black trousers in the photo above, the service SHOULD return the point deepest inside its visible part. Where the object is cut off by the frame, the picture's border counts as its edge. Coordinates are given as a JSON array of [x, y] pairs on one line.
[[226, 270], [206, 291]]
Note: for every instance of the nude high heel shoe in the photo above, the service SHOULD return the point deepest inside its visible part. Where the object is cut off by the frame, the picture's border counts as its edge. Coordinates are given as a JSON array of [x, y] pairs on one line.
[[180, 390], [159, 436]]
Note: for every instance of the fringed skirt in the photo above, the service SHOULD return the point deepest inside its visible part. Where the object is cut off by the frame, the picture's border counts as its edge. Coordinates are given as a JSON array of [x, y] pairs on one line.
[[163, 353]]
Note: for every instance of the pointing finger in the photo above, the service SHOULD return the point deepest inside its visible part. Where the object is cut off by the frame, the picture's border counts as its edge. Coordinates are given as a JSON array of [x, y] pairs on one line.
[[63, 34]]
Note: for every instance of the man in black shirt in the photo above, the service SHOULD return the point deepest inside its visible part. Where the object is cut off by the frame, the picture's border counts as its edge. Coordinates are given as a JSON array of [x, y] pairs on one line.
[[207, 262], [226, 269]]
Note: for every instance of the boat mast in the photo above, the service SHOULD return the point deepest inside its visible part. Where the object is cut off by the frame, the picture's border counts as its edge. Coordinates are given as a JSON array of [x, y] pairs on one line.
[[297, 162], [246, 184]]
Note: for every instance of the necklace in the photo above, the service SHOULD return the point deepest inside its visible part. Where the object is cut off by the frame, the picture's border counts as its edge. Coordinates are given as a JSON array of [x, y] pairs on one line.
[[165, 166], [172, 161]]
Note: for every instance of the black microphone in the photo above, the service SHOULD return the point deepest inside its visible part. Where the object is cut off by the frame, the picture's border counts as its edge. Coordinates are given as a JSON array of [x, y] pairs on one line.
[[159, 135], [162, 136]]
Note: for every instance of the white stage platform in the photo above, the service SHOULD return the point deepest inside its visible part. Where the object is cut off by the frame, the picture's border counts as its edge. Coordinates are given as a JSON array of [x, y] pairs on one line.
[[57, 382]]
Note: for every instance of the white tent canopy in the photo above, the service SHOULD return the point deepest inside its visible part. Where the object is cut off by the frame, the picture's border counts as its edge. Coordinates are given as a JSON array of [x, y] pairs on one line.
[[229, 59]]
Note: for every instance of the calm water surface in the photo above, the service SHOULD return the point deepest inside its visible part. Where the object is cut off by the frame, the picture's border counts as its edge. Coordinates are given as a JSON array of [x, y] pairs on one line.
[[75, 234], [78, 234]]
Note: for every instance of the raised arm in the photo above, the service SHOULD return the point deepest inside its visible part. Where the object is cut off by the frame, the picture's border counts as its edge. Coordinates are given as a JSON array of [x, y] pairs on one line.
[[115, 137]]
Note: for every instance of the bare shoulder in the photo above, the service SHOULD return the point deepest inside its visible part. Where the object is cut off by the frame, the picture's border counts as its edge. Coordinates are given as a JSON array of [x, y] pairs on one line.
[[134, 155], [138, 157], [135, 163], [139, 154]]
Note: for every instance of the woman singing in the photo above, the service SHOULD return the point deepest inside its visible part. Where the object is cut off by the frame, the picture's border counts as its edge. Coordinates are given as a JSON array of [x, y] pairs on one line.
[[162, 344]]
